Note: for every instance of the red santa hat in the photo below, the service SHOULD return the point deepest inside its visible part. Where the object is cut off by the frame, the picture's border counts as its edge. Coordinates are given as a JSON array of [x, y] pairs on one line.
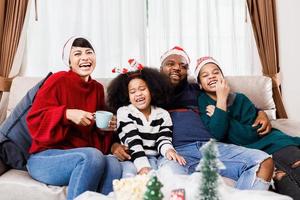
[[175, 51], [67, 48], [203, 61]]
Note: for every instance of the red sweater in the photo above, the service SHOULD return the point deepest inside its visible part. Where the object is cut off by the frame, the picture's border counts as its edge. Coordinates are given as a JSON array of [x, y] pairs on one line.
[[47, 121]]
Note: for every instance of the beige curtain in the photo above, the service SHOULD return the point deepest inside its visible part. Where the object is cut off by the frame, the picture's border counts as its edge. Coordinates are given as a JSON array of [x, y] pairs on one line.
[[12, 18], [12, 45], [264, 23]]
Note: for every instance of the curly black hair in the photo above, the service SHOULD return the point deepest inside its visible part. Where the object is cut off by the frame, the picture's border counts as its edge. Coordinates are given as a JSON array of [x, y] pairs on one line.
[[158, 84]]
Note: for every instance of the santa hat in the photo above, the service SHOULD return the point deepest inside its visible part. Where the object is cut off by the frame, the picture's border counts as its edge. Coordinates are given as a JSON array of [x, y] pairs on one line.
[[67, 48], [203, 61], [175, 51]]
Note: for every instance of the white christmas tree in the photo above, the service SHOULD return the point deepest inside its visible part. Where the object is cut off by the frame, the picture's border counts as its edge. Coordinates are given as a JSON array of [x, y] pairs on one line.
[[209, 167]]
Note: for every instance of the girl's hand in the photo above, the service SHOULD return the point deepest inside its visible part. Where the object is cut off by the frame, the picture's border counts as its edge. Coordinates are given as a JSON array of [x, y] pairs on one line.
[[144, 170], [79, 117], [171, 154], [210, 109], [222, 89], [120, 151]]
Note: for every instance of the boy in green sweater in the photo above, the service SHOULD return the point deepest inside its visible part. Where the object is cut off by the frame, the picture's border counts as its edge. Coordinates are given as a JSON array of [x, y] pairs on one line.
[[229, 118]]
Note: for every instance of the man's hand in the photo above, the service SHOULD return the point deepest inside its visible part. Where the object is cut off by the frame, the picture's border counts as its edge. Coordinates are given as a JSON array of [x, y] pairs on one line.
[[120, 151], [262, 120]]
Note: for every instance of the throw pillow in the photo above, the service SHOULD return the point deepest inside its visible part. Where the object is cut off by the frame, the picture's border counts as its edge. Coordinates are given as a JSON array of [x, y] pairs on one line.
[[15, 139]]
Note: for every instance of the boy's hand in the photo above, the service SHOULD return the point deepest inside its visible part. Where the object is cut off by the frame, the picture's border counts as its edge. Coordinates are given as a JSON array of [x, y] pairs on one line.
[[171, 154]]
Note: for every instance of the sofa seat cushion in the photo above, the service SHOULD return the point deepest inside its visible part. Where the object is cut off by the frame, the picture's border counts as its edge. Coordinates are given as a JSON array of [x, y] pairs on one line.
[[18, 185]]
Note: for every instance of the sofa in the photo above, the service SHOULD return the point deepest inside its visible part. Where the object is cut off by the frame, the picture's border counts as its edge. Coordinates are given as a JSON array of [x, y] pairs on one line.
[[17, 184]]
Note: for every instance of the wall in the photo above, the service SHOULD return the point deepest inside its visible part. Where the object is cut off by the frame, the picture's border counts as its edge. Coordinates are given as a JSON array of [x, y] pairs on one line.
[[288, 13]]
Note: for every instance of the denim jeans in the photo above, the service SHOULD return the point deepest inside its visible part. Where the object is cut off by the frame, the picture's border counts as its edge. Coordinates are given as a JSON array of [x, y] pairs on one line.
[[81, 169], [129, 170], [241, 164]]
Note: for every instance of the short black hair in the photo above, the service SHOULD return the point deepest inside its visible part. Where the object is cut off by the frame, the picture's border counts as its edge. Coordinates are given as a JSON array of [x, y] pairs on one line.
[[158, 84], [82, 42]]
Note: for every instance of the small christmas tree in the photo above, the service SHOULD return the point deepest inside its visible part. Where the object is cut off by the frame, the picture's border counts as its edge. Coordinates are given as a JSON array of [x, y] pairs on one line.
[[153, 189], [208, 167]]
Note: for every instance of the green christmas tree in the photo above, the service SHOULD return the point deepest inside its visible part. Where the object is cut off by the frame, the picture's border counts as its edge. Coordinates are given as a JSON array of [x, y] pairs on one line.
[[153, 189], [208, 167]]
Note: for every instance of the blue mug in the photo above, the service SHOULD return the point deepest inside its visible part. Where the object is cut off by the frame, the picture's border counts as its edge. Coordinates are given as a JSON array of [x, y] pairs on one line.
[[103, 118]]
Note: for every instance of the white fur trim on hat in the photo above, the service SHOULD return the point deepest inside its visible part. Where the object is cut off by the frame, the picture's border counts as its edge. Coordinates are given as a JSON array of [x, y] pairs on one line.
[[203, 61], [175, 51], [67, 48]]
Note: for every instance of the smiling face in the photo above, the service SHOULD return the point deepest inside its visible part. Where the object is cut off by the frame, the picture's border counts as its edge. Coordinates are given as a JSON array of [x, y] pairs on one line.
[[139, 95], [82, 61], [175, 67], [209, 74]]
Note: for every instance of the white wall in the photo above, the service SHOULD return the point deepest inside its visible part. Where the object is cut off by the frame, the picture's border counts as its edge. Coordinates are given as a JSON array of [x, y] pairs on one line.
[[288, 13]]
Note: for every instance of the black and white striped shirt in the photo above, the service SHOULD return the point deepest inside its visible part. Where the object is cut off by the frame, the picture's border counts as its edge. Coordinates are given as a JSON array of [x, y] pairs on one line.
[[144, 137]]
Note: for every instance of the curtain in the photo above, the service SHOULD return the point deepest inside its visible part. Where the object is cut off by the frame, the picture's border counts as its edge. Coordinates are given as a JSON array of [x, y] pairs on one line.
[[142, 29], [204, 27], [115, 27], [12, 19], [264, 23]]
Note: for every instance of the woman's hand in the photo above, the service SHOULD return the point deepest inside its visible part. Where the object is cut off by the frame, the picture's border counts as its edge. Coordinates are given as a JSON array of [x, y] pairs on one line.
[[120, 151], [144, 170], [79, 117], [171, 154], [112, 125]]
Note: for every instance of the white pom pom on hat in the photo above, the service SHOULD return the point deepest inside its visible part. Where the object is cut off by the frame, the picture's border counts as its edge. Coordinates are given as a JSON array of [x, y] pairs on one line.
[[203, 61], [67, 48], [175, 51]]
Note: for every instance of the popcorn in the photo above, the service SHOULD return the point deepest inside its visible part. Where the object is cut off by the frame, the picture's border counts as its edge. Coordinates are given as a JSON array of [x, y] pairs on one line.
[[132, 188]]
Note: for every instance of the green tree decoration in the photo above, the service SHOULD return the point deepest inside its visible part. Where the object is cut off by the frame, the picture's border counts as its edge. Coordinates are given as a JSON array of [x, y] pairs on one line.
[[153, 189], [209, 167]]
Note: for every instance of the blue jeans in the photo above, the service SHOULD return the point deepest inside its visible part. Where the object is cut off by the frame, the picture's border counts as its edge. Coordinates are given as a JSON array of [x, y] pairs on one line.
[[241, 163], [81, 169], [129, 170]]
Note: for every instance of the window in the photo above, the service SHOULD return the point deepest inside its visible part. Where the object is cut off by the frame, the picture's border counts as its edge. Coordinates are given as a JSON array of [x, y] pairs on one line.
[[142, 29]]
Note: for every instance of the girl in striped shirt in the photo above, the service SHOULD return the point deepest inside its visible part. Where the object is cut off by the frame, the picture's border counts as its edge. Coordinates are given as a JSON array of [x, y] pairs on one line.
[[143, 126]]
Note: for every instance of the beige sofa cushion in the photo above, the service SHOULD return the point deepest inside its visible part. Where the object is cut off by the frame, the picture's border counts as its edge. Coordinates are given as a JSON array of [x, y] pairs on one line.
[[258, 89], [18, 185]]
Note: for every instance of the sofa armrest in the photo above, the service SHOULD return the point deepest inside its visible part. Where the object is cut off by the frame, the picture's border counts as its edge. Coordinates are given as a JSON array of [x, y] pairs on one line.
[[288, 126]]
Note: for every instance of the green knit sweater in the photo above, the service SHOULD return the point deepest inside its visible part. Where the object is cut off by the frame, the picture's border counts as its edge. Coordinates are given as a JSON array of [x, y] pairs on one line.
[[235, 125]]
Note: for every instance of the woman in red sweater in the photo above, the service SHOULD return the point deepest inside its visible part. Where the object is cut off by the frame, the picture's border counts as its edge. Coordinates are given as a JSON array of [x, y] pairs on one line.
[[67, 148]]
